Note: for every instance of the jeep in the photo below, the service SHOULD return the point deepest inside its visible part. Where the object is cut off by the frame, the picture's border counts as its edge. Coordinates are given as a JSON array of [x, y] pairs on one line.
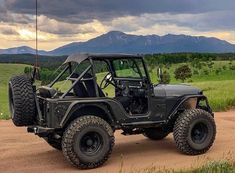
[[81, 117]]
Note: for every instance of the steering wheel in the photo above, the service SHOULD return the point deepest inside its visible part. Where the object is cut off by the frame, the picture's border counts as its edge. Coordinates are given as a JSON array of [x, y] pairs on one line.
[[106, 81]]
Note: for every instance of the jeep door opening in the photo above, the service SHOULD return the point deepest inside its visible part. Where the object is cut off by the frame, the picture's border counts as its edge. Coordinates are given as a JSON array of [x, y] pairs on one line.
[[81, 120]]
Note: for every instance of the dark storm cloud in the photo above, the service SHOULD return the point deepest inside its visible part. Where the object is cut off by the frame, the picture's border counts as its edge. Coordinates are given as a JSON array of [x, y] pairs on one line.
[[82, 11], [200, 15], [10, 17], [219, 20]]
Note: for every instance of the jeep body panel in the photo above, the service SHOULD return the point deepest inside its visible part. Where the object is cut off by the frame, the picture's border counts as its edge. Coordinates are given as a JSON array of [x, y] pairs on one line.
[[59, 111], [175, 90]]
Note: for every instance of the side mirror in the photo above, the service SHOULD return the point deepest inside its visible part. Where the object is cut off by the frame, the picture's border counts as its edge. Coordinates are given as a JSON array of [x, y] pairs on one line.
[[160, 75]]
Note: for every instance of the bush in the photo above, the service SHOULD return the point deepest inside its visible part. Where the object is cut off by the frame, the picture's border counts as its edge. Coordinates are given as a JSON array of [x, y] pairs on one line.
[[206, 72], [28, 71], [195, 72], [166, 78], [218, 71], [232, 67], [183, 72]]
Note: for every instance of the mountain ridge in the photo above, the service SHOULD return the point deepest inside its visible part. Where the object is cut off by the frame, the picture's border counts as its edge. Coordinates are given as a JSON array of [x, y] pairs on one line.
[[120, 42]]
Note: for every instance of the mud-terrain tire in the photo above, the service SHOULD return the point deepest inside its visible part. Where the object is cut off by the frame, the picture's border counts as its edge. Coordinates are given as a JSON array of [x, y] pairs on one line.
[[155, 133], [21, 101], [88, 142], [194, 131], [55, 143]]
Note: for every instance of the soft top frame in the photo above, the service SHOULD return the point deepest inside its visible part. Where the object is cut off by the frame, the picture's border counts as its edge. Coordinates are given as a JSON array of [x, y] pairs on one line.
[[78, 58]]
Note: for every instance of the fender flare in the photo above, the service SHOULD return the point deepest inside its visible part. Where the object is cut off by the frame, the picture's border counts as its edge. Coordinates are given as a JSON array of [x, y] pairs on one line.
[[80, 105], [186, 98]]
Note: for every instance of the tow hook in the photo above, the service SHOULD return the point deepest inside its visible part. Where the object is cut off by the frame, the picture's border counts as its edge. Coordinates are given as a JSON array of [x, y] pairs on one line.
[[35, 130], [40, 131]]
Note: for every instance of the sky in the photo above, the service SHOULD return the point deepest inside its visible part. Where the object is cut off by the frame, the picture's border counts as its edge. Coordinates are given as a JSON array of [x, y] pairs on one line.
[[64, 21]]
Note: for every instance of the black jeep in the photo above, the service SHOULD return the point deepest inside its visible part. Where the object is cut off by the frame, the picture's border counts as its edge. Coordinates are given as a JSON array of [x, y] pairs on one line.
[[81, 119]]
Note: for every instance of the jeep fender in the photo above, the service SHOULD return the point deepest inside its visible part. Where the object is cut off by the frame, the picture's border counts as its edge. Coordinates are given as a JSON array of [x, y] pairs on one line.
[[183, 104], [91, 108]]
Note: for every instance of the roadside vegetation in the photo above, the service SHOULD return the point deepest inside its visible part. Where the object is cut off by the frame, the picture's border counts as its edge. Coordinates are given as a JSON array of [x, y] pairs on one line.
[[213, 73], [213, 167], [6, 71]]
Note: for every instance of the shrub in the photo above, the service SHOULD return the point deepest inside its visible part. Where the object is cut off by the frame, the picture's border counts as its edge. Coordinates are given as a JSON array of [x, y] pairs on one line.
[[166, 78], [183, 72], [232, 67], [206, 72]]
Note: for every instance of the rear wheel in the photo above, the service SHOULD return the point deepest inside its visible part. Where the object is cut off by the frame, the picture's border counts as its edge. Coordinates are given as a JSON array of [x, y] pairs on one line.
[[21, 101], [194, 131], [87, 142], [155, 133]]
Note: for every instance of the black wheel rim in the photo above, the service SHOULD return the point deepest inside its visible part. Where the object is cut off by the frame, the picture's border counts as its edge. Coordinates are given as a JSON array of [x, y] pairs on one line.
[[91, 143], [199, 133]]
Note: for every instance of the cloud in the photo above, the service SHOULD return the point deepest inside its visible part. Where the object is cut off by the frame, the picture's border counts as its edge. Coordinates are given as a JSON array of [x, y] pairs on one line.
[[76, 16], [84, 11], [66, 21], [56, 27], [8, 31]]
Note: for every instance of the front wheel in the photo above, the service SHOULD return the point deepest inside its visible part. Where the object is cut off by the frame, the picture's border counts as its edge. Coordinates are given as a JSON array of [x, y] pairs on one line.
[[87, 142], [194, 131]]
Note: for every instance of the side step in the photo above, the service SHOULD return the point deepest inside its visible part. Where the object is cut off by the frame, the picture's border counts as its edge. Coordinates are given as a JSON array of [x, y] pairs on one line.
[[144, 124]]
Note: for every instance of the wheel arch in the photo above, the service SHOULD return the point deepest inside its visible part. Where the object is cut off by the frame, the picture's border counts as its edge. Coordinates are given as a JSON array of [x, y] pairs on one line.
[[101, 110], [188, 102]]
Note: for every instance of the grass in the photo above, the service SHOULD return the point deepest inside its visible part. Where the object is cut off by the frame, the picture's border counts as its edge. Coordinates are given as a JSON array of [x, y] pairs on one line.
[[225, 74], [213, 167], [221, 94], [217, 87], [6, 72], [226, 166]]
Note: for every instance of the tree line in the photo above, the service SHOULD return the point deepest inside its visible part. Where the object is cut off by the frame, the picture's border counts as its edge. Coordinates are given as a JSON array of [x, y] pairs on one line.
[[48, 64]]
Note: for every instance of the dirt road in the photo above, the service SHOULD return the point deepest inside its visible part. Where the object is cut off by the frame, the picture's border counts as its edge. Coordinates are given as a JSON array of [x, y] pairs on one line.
[[26, 153]]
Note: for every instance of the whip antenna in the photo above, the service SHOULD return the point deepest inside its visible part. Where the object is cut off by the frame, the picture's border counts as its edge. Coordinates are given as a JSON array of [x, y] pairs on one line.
[[36, 65]]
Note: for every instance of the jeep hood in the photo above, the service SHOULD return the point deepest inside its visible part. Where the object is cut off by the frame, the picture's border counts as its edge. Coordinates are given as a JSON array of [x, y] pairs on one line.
[[175, 90]]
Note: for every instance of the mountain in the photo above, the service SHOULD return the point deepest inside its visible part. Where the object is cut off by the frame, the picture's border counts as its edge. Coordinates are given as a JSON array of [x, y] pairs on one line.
[[21, 50], [119, 42]]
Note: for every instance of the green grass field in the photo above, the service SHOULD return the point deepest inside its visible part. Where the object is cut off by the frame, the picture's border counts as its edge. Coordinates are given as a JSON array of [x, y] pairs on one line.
[[219, 88], [213, 167], [6, 71]]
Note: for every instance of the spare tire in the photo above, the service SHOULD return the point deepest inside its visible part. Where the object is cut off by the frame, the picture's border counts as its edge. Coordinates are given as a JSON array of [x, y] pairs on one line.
[[21, 101]]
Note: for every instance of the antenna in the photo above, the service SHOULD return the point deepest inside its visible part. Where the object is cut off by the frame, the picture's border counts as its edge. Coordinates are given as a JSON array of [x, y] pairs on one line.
[[36, 62], [36, 65]]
